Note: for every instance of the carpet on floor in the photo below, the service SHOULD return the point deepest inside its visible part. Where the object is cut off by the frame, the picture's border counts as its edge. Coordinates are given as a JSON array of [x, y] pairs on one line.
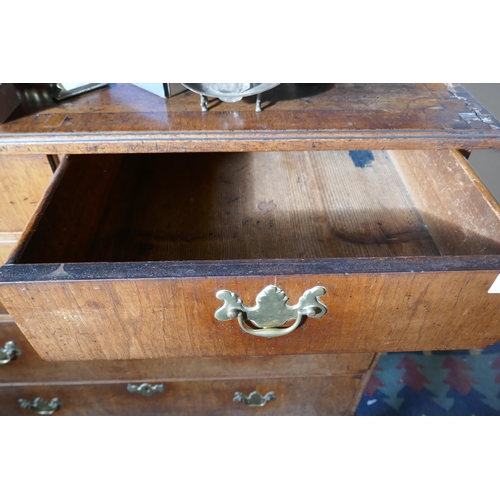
[[435, 383]]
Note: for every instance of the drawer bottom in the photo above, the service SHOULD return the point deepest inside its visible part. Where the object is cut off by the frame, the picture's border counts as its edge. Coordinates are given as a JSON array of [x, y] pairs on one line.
[[293, 396]]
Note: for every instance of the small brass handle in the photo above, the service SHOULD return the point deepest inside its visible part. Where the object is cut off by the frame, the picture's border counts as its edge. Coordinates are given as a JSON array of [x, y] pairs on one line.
[[254, 399], [41, 406], [272, 310], [269, 333], [9, 352], [145, 389]]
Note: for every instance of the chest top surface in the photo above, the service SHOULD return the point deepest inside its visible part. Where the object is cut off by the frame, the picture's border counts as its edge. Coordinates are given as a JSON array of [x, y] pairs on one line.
[[124, 118]]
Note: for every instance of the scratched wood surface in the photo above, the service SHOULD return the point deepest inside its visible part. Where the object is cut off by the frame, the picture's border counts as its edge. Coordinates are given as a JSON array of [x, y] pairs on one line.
[[124, 118], [161, 318], [462, 216], [23, 180], [127, 208], [30, 369], [294, 396], [120, 215]]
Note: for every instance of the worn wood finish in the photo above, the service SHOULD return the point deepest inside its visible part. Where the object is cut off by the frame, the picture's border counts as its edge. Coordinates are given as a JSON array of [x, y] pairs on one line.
[[294, 396], [23, 180], [29, 369], [461, 214], [225, 207], [123, 118], [37, 215], [84, 200], [91, 311], [8, 242], [113, 310], [12, 273], [155, 318], [261, 205], [362, 386]]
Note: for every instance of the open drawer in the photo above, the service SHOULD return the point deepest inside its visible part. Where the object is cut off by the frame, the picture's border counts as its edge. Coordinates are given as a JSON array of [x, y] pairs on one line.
[[126, 254]]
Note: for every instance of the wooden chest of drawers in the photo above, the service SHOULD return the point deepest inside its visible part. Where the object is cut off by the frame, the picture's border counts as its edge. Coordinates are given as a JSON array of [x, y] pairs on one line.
[[303, 385], [359, 190]]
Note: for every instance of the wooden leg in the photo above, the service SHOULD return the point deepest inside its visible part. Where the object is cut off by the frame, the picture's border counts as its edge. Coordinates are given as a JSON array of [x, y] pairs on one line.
[[362, 385]]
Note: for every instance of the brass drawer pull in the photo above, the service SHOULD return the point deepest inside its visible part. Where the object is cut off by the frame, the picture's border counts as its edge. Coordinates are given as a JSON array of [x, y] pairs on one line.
[[41, 406], [255, 399], [9, 352], [145, 389], [271, 310]]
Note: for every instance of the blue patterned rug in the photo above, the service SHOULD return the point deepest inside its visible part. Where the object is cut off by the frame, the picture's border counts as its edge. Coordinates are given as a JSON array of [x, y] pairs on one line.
[[436, 383]]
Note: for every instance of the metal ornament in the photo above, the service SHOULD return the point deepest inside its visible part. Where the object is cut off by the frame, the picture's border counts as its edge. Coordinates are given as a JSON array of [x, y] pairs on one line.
[[271, 310], [145, 389], [41, 406], [254, 399], [229, 92], [9, 352]]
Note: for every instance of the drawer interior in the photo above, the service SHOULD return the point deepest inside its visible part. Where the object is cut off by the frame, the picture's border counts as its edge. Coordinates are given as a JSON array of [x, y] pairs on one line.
[[125, 255], [262, 205]]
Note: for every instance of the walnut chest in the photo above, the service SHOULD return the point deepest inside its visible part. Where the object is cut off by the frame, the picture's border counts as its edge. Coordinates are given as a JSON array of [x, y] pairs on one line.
[[229, 252]]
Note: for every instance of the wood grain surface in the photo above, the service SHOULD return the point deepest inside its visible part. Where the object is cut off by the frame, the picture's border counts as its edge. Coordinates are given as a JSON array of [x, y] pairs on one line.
[[124, 118], [131, 208], [23, 180], [158, 318], [334, 209], [294, 396], [462, 216], [8, 242], [30, 369], [388, 208]]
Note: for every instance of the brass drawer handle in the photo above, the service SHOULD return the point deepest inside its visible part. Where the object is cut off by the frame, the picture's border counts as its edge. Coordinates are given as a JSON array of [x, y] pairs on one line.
[[41, 406], [254, 399], [9, 352], [145, 389], [271, 310]]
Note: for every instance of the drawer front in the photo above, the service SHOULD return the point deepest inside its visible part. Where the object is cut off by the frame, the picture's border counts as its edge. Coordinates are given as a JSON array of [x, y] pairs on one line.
[[294, 396], [148, 318], [28, 368]]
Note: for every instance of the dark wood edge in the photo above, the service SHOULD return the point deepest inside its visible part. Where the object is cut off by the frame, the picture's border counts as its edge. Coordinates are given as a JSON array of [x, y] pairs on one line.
[[12, 273], [54, 162], [101, 143], [38, 213], [362, 386], [169, 379]]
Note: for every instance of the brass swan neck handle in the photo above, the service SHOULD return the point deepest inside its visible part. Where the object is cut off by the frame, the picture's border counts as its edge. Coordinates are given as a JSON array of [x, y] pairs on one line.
[[271, 311], [254, 399], [41, 406], [9, 352]]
